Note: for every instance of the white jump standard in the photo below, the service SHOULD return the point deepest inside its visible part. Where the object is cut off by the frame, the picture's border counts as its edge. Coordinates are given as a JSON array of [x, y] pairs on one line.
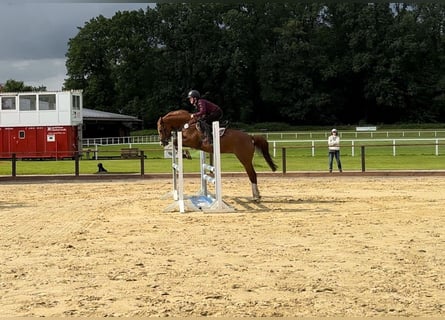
[[178, 176], [203, 201], [211, 175]]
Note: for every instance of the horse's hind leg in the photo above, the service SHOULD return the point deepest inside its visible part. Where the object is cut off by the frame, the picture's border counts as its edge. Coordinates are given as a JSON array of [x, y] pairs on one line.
[[255, 192], [248, 166], [245, 151]]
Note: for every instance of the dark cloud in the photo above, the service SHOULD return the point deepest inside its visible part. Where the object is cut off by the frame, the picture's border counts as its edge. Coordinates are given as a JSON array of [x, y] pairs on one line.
[[35, 37]]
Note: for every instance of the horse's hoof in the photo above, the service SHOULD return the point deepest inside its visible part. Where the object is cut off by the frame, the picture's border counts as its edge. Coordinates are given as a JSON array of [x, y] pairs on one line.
[[256, 199]]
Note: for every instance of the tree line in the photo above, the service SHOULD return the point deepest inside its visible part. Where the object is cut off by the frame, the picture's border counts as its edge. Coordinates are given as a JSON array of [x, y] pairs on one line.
[[295, 63], [12, 85]]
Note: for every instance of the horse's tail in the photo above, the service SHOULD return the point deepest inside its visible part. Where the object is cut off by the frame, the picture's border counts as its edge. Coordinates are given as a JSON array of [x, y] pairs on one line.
[[262, 146]]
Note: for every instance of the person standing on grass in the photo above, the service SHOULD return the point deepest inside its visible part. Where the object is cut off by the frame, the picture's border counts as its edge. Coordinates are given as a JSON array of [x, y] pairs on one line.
[[334, 150]]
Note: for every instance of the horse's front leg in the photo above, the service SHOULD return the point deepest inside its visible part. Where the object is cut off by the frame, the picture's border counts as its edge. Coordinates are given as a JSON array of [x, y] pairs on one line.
[[255, 192]]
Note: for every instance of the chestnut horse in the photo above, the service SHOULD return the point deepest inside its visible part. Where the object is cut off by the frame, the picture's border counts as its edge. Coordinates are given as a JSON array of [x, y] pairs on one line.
[[241, 144]]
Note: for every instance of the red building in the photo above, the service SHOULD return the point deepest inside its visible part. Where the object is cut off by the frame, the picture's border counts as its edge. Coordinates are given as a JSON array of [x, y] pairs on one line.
[[40, 124]]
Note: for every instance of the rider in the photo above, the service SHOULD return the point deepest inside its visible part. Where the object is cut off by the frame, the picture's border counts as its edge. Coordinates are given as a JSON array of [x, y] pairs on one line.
[[206, 114]]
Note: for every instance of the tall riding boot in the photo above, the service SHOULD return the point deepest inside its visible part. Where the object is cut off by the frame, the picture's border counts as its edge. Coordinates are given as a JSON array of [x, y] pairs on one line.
[[202, 129], [206, 131], [209, 134]]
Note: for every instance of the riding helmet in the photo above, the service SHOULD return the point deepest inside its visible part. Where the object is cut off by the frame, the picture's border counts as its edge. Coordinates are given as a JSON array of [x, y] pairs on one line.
[[194, 94]]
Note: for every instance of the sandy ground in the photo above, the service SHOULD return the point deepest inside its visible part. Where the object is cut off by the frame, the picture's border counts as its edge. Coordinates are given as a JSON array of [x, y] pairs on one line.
[[337, 246]]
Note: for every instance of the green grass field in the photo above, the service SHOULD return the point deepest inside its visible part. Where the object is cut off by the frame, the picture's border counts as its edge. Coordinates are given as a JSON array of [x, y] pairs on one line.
[[301, 155], [304, 151]]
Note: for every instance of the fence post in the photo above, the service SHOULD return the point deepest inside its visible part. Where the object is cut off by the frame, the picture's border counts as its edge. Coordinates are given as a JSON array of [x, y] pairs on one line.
[[362, 148], [14, 165], [76, 164], [96, 151], [283, 158], [143, 163]]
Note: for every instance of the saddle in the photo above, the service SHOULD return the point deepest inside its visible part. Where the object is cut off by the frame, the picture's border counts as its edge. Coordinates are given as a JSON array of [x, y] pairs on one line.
[[222, 128]]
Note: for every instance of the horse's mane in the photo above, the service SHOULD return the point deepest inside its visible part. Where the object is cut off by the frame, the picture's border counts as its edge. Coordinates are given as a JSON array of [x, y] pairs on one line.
[[174, 119], [177, 112]]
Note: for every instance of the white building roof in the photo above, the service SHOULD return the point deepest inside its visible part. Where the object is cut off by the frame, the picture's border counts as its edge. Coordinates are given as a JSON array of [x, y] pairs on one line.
[[90, 114]]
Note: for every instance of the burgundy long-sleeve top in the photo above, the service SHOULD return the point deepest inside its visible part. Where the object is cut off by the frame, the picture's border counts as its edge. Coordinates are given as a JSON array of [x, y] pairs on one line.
[[205, 107]]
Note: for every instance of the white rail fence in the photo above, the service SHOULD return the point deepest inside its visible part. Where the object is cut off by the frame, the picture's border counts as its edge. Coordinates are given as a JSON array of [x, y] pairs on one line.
[[151, 139], [355, 144], [303, 135], [309, 135]]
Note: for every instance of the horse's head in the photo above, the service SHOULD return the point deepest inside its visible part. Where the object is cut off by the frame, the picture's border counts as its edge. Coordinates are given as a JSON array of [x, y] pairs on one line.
[[165, 132]]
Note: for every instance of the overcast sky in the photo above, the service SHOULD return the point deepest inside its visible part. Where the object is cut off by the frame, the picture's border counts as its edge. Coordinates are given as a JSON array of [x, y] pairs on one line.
[[34, 37]]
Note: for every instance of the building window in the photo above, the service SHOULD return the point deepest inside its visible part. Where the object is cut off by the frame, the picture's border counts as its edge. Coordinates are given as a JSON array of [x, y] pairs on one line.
[[27, 102], [76, 102], [21, 134], [8, 103], [47, 102]]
